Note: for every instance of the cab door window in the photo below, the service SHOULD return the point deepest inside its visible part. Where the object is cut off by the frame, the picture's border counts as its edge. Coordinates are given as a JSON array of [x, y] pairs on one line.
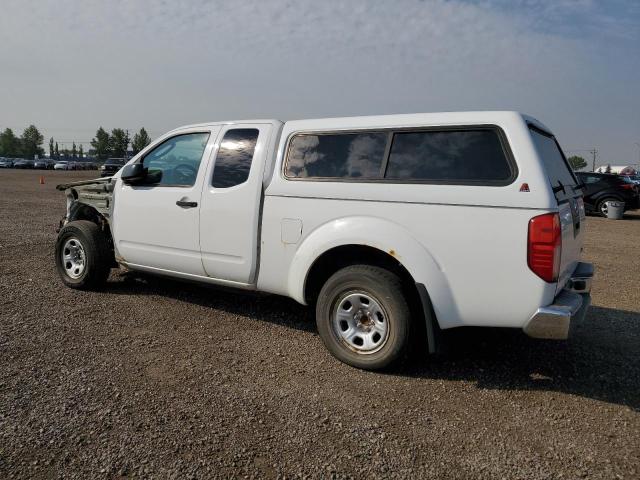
[[175, 162]]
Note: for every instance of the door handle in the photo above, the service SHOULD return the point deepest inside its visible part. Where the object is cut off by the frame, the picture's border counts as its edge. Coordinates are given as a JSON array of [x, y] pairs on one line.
[[186, 204]]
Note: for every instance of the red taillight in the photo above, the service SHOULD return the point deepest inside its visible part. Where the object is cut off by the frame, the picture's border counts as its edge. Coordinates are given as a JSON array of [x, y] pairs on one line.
[[628, 186], [544, 246]]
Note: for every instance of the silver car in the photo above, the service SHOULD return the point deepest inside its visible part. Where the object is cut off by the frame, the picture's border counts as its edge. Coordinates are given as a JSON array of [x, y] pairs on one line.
[[61, 165]]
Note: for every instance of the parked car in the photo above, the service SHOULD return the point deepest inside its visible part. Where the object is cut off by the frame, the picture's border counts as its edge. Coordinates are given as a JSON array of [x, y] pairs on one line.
[[23, 163], [111, 166], [61, 165], [40, 163], [6, 163], [600, 188], [388, 225]]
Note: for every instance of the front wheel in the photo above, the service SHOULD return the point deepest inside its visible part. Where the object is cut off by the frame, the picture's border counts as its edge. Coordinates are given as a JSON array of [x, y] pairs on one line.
[[82, 255], [363, 317]]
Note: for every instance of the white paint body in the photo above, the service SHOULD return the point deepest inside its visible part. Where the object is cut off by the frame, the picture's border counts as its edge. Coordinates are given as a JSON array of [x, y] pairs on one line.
[[466, 244]]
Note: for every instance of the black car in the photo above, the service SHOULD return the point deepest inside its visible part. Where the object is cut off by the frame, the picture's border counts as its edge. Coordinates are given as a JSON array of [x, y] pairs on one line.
[[111, 166], [603, 187], [23, 163]]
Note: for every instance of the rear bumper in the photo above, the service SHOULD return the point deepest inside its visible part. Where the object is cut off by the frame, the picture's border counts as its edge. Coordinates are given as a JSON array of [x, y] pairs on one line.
[[571, 304]]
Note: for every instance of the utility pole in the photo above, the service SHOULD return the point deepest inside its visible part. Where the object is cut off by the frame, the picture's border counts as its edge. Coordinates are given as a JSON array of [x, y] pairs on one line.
[[593, 152]]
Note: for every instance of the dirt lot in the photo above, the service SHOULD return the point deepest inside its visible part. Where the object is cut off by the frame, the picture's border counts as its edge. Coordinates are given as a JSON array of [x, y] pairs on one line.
[[156, 378]]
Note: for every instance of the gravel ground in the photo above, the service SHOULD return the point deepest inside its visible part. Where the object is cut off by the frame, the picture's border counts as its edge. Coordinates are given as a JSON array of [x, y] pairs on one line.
[[160, 379]]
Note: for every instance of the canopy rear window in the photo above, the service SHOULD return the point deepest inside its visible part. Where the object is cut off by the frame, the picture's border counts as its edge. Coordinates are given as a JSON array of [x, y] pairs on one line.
[[558, 170]]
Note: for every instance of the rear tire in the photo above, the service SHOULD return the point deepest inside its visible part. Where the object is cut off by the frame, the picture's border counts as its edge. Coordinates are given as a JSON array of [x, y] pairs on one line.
[[363, 317], [602, 205], [83, 256]]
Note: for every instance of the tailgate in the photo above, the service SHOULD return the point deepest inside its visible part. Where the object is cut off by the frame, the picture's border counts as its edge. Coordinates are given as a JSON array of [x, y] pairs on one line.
[[572, 218], [568, 194]]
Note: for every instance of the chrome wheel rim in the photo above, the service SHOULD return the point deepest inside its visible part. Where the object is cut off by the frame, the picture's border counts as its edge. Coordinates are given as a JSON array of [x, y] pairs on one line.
[[74, 259], [604, 208], [360, 322]]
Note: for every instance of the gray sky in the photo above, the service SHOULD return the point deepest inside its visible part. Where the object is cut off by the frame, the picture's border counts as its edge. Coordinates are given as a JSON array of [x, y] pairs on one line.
[[70, 66]]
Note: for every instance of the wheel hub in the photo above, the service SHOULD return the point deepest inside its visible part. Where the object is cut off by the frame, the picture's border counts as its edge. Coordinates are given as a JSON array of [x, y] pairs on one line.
[[360, 322], [73, 258]]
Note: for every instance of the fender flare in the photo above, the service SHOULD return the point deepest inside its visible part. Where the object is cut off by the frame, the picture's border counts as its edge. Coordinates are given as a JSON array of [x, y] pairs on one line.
[[384, 235]]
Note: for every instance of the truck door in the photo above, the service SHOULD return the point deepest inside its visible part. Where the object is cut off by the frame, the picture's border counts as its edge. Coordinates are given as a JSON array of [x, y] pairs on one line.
[[156, 225], [231, 200]]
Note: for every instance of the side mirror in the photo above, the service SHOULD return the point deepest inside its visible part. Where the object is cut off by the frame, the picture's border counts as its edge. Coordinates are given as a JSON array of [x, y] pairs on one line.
[[133, 173]]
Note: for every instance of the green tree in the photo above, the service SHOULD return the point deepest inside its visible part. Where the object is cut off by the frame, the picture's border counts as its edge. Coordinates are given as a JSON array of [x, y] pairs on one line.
[[608, 169], [101, 144], [140, 140], [57, 151], [32, 142], [9, 144], [119, 142], [80, 151], [577, 163], [51, 151], [74, 151]]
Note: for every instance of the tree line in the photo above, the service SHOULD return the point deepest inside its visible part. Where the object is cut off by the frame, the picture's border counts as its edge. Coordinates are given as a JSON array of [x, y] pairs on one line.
[[104, 144], [28, 145], [116, 144], [73, 152]]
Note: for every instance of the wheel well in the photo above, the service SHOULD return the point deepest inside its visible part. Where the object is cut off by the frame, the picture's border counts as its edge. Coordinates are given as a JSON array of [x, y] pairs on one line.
[[339, 257], [82, 211], [608, 196]]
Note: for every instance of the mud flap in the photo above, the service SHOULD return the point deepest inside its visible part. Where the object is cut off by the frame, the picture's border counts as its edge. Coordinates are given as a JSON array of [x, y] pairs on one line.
[[434, 333]]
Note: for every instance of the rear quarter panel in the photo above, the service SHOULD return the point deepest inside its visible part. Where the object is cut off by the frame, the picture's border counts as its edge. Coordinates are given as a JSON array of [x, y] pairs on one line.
[[471, 259]]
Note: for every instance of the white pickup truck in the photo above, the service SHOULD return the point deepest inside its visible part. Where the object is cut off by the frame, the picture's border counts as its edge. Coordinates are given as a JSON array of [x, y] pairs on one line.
[[391, 226]]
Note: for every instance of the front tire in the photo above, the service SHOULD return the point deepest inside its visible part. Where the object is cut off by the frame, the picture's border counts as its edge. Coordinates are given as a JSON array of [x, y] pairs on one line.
[[363, 317], [82, 255]]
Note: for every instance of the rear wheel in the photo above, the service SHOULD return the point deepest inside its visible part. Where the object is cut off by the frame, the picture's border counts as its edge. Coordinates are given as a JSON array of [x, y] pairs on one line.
[[602, 205], [363, 317], [83, 257]]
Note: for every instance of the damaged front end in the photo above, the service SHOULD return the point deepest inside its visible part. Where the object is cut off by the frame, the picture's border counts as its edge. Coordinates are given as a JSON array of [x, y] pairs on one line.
[[88, 200]]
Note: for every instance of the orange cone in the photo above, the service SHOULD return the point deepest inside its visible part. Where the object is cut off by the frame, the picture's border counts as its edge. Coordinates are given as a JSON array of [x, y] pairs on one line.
[[41, 179]]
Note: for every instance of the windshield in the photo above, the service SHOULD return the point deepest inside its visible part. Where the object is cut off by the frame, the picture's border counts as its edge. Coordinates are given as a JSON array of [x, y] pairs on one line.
[[558, 169]]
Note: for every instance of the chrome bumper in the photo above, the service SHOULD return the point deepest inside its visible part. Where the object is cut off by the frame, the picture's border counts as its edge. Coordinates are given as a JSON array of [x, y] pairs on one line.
[[553, 321]]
